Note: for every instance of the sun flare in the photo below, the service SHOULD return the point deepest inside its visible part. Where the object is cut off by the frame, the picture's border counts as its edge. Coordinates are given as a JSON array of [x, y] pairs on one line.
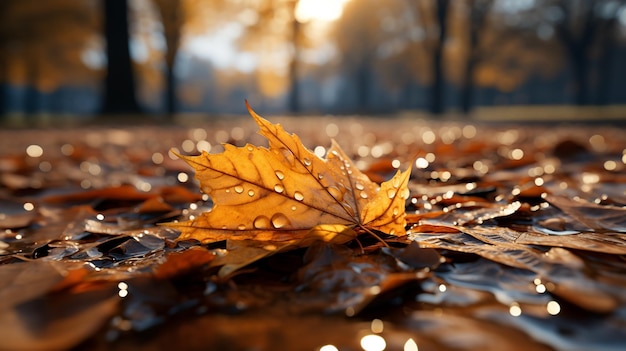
[[319, 10]]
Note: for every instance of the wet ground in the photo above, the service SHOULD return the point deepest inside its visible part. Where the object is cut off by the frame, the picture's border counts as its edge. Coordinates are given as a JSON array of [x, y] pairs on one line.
[[517, 241]]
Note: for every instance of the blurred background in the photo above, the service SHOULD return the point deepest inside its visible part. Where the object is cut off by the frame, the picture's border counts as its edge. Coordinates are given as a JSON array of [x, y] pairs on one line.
[[82, 59]]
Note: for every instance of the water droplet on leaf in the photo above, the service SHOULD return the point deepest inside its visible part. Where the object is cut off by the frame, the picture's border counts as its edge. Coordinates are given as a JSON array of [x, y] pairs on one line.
[[405, 193], [279, 220], [238, 189], [280, 175], [279, 188], [262, 222], [298, 196], [250, 192]]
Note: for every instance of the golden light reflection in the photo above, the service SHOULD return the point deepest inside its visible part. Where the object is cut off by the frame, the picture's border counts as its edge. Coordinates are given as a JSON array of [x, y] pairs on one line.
[[188, 145], [332, 130], [203, 145], [410, 345], [517, 154], [67, 149], [597, 142], [469, 131], [373, 342], [429, 137], [610, 165], [157, 158], [183, 177], [34, 151], [329, 348], [172, 153], [123, 292], [320, 151], [540, 288], [515, 310], [377, 326], [198, 134], [590, 178], [421, 163], [549, 168], [553, 308]]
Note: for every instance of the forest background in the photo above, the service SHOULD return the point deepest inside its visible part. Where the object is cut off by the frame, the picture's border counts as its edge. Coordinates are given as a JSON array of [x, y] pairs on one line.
[[86, 58]]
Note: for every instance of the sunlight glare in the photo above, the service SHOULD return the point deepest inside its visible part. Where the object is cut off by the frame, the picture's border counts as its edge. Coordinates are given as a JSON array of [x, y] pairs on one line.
[[320, 10]]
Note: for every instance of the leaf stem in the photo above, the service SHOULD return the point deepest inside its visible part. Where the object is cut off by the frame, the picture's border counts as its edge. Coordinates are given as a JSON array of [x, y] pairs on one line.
[[374, 235]]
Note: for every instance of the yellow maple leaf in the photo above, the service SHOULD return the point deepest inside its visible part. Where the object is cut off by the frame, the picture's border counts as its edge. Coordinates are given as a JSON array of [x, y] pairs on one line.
[[288, 195]]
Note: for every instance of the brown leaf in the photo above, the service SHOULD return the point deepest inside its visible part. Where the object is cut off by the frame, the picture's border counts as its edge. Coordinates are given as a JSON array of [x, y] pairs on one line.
[[280, 193], [178, 263]]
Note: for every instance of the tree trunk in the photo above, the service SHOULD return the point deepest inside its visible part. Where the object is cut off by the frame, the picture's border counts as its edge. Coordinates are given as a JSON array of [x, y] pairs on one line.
[[467, 89], [362, 81], [170, 92], [294, 88], [607, 43], [119, 84], [437, 89], [478, 11], [172, 20], [4, 87], [580, 63]]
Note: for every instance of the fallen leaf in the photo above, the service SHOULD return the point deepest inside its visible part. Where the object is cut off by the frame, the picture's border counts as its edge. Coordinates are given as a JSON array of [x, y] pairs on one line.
[[281, 193], [178, 263]]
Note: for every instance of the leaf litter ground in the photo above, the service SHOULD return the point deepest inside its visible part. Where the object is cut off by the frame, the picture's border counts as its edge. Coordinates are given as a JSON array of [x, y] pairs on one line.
[[516, 238]]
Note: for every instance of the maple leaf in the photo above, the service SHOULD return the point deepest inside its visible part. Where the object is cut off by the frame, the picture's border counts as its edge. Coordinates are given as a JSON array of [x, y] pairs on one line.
[[286, 194]]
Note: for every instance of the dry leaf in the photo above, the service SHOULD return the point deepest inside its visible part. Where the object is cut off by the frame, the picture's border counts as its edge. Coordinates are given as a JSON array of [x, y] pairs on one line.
[[279, 194]]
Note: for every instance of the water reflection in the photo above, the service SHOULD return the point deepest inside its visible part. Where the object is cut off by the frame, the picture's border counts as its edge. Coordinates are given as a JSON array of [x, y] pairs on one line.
[[377, 326], [553, 308], [373, 342], [515, 310], [123, 289], [410, 345]]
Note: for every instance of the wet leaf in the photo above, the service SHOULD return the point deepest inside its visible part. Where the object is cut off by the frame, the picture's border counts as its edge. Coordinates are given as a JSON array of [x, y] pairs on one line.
[[177, 263], [57, 322], [595, 216], [415, 256], [281, 193]]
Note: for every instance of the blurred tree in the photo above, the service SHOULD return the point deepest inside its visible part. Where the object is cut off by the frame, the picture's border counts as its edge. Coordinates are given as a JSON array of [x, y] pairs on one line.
[[172, 18], [119, 85], [499, 47], [433, 17], [477, 13], [272, 28], [580, 35], [49, 52], [586, 29], [358, 36]]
